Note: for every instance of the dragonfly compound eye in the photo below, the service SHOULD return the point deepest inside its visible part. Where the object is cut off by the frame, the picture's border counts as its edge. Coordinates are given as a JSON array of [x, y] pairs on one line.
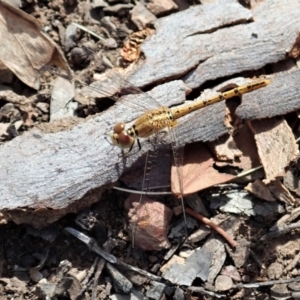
[[119, 127], [122, 140]]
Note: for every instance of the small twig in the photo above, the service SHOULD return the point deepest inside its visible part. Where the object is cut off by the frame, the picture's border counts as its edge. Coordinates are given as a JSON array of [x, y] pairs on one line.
[[92, 244], [90, 272], [140, 192], [212, 225], [101, 263], [266, 283], [245, 173], [86, 283], [100, 266], [201, 290], [279, 231], [89, 31]]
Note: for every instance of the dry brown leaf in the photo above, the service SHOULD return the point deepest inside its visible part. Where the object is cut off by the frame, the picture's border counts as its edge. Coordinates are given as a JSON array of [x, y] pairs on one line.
[[25, 50], [276, 145], [197, 171]]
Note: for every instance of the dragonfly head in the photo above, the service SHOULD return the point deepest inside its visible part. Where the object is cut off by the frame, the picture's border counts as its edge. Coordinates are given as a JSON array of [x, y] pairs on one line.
[[120, 137]]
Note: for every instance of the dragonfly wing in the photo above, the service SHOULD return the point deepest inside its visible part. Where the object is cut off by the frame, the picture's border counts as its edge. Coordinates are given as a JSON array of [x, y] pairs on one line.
[[111, 84]]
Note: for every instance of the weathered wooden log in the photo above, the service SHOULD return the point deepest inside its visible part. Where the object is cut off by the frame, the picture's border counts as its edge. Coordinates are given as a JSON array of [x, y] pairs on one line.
[[218, 40], [46, 175]]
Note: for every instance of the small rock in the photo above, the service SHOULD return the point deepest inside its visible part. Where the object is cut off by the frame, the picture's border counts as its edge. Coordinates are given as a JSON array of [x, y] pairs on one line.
[[179, 294], [120, 282], [294, 272], [108, 24], [223, 283], [98, 4], [216, 247], [184, 271], [199, 235], [294, 286], [18, 124], [150, 220], [9, 112], [239, 254], [275, 271], [156, 290], [186, 253], [118, 8], [62, 93], [36, 276], [45, 289], [80, 56], [141, 16], [238, 202], [161, 7], [280, 291], [109, 43], [70, 284], [14, 285], [44, 107], [232, 272], [169, 290], [70, 34], [3, 130]]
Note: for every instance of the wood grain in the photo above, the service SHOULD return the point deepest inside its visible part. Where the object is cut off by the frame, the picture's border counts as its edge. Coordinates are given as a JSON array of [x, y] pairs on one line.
[[218, 40], [46, 175]]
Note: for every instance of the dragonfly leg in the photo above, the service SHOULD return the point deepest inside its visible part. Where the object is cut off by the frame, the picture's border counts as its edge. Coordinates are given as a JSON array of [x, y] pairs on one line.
[[139, 144], [129, 152]]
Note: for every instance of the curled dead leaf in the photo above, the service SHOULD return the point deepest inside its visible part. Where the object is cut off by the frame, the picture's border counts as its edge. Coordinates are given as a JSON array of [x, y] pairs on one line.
[[25, 49]]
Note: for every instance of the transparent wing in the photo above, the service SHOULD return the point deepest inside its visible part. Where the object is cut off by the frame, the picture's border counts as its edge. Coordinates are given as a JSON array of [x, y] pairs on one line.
[[111, 83]]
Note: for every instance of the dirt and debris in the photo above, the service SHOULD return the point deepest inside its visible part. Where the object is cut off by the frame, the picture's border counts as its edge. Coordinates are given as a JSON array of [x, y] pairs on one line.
[[66, 234]]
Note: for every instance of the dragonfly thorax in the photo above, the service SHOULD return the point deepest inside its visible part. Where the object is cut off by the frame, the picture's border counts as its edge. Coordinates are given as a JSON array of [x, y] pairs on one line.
[[146, 125]]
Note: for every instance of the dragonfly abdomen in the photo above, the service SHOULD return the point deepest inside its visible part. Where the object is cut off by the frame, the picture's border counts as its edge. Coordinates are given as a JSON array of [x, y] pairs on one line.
[[179, 112]]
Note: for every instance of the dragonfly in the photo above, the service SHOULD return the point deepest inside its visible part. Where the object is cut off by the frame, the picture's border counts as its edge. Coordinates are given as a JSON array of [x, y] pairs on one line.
[[153, 121], [162, 118], [157, 119]]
